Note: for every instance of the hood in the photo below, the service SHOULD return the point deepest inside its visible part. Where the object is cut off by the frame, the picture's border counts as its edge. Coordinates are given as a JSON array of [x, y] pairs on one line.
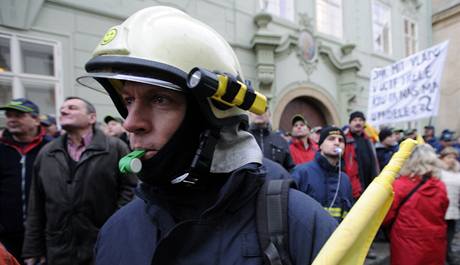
[[234, 149]]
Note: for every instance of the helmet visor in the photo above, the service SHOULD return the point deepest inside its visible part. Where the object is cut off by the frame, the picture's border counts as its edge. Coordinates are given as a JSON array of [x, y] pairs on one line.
[[100, 81]]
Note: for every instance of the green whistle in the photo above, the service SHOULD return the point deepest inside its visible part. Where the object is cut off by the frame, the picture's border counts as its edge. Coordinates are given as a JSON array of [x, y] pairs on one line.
[[131, 163]]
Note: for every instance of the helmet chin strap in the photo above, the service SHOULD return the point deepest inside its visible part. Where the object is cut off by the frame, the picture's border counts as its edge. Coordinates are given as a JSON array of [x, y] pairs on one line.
[[201, 163]]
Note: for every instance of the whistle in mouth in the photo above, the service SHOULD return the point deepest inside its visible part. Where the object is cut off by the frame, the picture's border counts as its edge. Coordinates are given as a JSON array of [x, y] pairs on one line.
[[131, 163]]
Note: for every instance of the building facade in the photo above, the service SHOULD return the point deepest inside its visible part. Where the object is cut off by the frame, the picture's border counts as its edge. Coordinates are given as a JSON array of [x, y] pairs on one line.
[[312, 57], [446, 26]]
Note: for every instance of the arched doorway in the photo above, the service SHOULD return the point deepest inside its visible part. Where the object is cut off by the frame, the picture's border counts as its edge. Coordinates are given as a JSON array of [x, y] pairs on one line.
[[310, 108], [309, 100]]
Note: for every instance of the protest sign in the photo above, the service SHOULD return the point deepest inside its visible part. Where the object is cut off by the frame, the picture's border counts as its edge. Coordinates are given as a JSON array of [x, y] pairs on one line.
[[408, 89]]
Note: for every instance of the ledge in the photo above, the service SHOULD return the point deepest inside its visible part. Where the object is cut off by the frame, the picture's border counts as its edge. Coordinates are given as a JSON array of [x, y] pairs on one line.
[[339, 64]]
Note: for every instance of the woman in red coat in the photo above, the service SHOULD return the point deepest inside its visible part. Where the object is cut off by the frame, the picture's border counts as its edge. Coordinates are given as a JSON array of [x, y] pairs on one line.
[[418, 233]]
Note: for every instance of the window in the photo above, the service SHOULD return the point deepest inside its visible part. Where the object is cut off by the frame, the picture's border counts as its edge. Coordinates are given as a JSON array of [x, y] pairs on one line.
[[5, 57], [410, 37], [381, 27], [28, 69], [5, 91], [329, 17], [281, 8]]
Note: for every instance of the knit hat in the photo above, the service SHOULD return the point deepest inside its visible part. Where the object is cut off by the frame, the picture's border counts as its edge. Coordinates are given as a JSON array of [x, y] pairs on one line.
[[356, 114], [330, 130], [384, 133]]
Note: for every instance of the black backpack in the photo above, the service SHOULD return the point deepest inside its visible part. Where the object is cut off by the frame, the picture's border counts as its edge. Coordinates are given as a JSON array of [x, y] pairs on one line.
[[272, 221]]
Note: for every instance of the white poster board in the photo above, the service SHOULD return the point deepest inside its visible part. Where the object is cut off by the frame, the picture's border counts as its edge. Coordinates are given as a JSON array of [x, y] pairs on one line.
[[408, 89]]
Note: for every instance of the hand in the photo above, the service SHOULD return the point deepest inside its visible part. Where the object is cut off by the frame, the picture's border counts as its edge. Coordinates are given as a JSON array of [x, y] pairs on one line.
[[33, 261]]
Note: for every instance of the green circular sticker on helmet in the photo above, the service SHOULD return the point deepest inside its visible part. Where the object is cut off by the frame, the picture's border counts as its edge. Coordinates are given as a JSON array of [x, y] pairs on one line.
[[109, 36]]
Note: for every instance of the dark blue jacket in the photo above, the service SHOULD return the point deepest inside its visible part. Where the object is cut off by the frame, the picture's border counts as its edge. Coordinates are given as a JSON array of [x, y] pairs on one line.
[[273, 146], [434, 142], [319, 179], [148, 230], [385, 153], [275, 170]]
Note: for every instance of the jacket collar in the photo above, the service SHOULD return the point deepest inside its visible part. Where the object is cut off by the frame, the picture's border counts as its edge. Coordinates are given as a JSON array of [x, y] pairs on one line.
[[324, 163], [7, 139], [299, 143], [241, 185], [98, 143], [350, 137]]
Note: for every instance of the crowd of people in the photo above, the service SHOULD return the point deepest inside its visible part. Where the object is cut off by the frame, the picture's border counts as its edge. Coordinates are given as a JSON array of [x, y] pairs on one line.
[[336, 174], [63, 199]]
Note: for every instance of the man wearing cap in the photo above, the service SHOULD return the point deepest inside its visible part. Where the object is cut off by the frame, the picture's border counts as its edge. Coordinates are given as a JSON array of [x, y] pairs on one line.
[[386, 146], [360, 158], [115, 128], [19, 145], [430, 138], [49, 122], [273, 146], [446, 139], [323, 178], [76, 187], [302, 148]]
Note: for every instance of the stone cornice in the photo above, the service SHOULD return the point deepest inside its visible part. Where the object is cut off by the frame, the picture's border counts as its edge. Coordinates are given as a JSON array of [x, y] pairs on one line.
[[446, 14], [339, 64], [266, 39]]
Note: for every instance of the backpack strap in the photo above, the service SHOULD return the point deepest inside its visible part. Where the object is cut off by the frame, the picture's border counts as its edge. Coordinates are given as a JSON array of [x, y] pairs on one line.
[[272, 221]]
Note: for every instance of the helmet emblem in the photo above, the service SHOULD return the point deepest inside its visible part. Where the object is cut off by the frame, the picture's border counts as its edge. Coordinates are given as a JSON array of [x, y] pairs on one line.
[[109, 36]]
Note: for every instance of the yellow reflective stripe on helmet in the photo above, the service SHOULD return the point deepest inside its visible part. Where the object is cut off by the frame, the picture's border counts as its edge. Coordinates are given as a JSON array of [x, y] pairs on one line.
[[239, 98], [223, 80], [260, 104]]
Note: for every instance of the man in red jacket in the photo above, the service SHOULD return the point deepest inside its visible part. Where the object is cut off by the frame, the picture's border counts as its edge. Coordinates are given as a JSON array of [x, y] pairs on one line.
[[360, 158], [19, 145], [302, 148]]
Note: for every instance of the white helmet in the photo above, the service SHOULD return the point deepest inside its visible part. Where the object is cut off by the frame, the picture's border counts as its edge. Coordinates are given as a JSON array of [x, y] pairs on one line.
[[165, 47], [160, 46]]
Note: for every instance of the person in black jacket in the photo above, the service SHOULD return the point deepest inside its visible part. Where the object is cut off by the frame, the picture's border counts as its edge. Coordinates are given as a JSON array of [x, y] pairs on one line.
[[19, 145], [386, 147], [273, 146], [76, 187]]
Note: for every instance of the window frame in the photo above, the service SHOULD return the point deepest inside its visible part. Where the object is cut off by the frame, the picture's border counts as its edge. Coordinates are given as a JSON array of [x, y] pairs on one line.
[[413, 38], [341, 24], [289, 14], [381, 50], [19, 80]]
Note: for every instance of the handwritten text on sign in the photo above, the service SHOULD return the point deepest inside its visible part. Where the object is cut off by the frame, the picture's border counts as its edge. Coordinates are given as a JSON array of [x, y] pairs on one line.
[[408, 89]]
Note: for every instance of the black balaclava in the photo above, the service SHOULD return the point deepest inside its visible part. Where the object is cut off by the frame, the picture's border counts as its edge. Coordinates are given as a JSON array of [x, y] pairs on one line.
[[175, 157]]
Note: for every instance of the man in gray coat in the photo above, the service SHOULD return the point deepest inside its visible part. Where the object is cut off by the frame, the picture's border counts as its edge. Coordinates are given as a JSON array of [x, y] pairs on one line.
[[76, 187]]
